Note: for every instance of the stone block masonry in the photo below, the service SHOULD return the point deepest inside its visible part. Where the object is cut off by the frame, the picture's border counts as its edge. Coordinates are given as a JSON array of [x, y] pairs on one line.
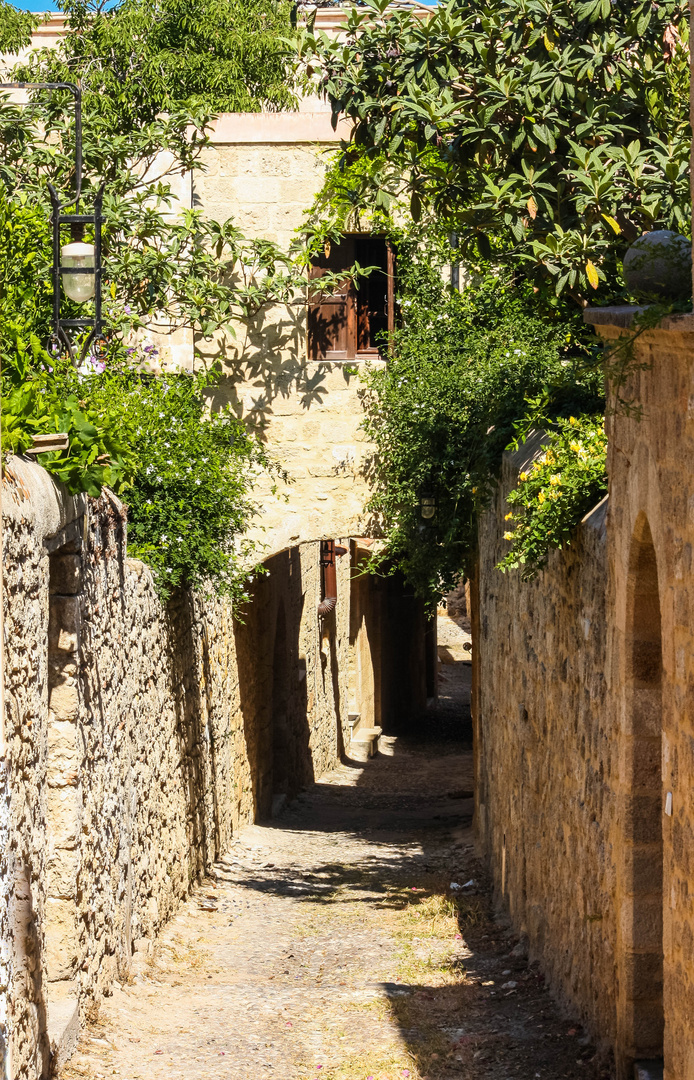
[[585, 727], [546, 754], [141, 735]]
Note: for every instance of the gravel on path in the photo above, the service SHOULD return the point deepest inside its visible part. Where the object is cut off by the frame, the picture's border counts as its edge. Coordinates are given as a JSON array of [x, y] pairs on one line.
[[351, 938]]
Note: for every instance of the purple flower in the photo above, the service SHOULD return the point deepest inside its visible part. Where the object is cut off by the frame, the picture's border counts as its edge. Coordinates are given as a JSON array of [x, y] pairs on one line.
[[127, 309]]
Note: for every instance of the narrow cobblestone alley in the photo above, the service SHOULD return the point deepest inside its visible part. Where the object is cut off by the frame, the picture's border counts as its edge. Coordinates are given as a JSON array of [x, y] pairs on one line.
[[345, 941]]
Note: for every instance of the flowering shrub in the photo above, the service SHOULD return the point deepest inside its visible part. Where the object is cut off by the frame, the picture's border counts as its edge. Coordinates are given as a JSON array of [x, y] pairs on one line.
[[561, 485]]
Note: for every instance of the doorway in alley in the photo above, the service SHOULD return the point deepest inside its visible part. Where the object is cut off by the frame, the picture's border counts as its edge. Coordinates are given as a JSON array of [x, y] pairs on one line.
[[280, 715], [641, 915]]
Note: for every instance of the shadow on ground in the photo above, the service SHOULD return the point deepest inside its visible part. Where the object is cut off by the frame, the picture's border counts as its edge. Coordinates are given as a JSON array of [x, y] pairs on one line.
[[484, 1013]]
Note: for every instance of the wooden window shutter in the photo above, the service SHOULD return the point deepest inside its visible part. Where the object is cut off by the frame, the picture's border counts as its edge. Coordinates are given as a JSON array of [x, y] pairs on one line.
[[390, 257], [332, 318]]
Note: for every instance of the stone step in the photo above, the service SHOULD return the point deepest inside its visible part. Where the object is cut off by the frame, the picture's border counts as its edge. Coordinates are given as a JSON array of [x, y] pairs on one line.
[[364, 743], [63, 1022], [648, 1070]]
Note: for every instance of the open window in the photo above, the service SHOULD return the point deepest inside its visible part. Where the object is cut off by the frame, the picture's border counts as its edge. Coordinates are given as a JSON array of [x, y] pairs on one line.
[[350, 323]]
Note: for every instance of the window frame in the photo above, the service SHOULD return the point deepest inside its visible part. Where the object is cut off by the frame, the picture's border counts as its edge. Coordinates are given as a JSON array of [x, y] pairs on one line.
[[348, 298]]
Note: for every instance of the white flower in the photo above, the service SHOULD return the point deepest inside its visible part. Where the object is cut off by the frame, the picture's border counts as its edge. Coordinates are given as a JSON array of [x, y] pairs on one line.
[[198, 481], [164, 538]]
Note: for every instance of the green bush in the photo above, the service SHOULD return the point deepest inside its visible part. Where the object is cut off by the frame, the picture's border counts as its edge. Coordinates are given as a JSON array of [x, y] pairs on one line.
[[189, 502], [563, 483], [463, 369]]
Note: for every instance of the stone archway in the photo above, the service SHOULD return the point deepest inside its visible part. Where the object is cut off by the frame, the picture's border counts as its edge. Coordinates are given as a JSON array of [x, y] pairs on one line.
[[640, 859]]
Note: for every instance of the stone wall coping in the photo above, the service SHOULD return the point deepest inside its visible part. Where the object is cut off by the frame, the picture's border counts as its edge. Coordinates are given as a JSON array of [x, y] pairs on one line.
[[271, 128], [527, 452], [597, 517], [623, 315], [29, 493]]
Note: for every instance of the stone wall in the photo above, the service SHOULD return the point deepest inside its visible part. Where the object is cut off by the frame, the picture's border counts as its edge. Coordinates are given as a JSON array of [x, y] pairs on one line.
[[546, 755], [264, 170], [650, 665], [585, 724], [140, 737]]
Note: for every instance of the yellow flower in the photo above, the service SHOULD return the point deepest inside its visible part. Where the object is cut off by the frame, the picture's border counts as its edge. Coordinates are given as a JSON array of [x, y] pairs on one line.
[[573, 420], [508, 536], [576, 447], [508, 517], [474, 491], [555, 480], [524, 476], [541, 498], [549, 456]]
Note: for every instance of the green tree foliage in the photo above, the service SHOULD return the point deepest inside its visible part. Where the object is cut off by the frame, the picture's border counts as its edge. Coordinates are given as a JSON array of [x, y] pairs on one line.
[[15, 28], [449, 402], [547, 133], [141, 58], [160, 259]]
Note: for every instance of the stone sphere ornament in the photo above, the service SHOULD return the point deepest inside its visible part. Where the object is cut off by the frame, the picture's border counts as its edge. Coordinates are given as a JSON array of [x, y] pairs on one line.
[[659, 264]]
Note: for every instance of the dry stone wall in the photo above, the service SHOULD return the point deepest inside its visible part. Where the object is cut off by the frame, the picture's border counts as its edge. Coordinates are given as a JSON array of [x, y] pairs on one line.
[[546, 755], [140, 737]]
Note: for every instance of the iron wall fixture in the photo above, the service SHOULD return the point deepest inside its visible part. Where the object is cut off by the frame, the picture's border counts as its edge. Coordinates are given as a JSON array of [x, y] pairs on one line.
[[79, 265], [76, 267], [329, 551]]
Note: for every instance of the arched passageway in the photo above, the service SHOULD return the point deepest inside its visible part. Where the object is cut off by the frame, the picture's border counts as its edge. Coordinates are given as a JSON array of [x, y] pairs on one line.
[[640, 962]]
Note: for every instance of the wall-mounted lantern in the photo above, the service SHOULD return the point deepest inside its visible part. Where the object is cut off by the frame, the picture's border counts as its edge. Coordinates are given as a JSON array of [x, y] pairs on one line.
[[76, 266], [427, 502]]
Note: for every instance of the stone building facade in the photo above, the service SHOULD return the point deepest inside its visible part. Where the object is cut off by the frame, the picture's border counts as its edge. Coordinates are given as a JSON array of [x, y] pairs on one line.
[[584, 725]]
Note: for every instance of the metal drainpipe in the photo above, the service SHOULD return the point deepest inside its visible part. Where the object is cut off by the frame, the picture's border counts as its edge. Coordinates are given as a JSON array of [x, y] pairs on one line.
[[329, 551]]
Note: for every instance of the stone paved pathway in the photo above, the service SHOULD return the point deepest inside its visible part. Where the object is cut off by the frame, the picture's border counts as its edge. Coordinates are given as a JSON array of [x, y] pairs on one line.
[[328, 945]]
